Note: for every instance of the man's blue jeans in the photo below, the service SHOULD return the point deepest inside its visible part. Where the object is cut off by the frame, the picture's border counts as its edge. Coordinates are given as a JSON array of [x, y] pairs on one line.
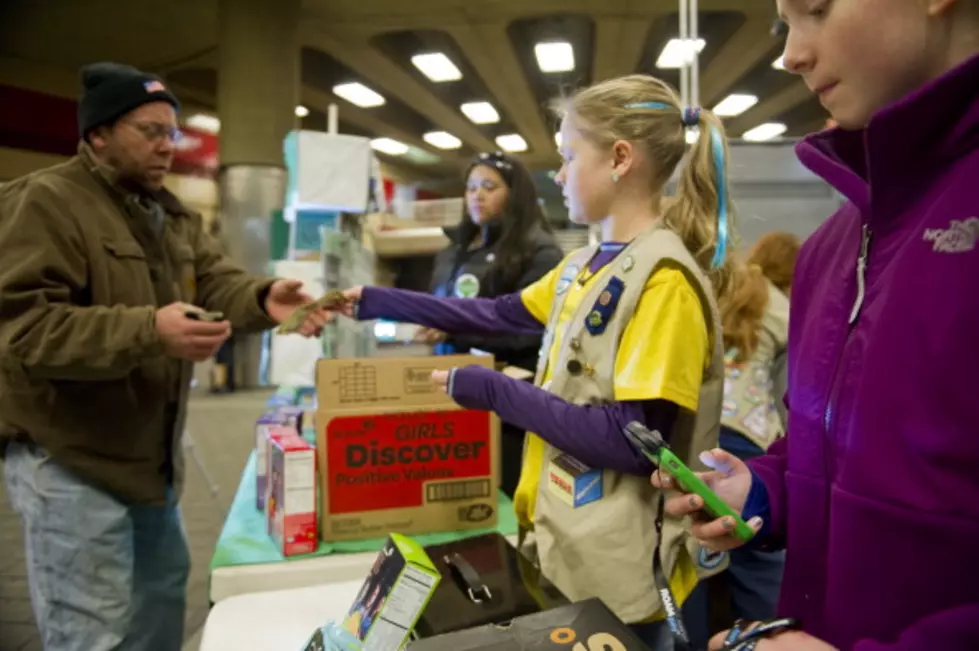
[[103, 575]]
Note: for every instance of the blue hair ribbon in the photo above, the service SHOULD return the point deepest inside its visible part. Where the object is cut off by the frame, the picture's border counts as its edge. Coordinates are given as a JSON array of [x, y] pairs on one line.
[[691, 117]]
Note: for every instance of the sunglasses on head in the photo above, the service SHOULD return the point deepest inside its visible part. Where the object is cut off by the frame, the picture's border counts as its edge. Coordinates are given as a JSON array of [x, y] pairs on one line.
[[498, 160]]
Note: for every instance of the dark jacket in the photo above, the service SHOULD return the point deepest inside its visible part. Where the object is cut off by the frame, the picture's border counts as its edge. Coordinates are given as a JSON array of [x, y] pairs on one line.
[[464, 261], [82, 371]]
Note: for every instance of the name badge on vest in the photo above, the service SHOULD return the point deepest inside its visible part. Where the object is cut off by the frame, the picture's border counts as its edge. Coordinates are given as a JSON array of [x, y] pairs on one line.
[[573, 482], [604, 307]]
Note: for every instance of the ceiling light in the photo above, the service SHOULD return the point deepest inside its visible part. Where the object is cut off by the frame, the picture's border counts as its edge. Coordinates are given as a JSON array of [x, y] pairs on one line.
[[442, 140], [766, 131], [437, 67], [735, 104], [693, 135], [480, 112], [558, 139], [512, 142], [301, 111], [207, 123], [358, 95], [389, 146], [779, 63], [555, 57], [679, 52]]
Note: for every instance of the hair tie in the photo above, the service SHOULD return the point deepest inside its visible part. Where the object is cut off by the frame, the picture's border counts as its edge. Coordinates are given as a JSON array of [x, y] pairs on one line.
[[691, 116]]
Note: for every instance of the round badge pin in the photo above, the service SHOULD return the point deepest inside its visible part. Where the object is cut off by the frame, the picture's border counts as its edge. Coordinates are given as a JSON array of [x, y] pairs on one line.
[[467, 286], [595, 319], [605, 298], [628, 263]]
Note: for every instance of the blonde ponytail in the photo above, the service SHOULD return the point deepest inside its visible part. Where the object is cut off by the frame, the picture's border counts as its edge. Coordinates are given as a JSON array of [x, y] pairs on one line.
[[701, 211]]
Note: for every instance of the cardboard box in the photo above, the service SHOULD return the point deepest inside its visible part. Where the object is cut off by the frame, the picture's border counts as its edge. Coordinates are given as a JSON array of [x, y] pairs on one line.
[[263, 427], [397, 454], [393, 596], [291, 502]]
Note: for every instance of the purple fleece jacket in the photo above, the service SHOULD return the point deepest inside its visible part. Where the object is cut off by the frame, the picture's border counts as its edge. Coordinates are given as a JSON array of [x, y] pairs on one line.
[[875, 491], [592, 434]]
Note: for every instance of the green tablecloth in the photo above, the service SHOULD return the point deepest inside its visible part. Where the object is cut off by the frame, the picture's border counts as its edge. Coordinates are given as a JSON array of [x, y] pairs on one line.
[[244, 540]]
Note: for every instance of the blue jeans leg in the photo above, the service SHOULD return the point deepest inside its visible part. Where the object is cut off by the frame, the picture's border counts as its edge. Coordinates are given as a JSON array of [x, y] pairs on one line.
[[99, 570]]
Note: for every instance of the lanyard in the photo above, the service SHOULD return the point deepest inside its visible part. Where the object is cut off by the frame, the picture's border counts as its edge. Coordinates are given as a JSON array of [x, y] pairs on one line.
[[738, 639]]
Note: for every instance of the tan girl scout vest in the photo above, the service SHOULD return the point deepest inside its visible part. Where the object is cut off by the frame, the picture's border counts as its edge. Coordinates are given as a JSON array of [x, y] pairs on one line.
[[604, 548], [749, 406]]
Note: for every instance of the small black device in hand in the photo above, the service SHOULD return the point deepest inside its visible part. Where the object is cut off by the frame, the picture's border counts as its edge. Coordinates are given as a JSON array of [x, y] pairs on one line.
[[208, 317]]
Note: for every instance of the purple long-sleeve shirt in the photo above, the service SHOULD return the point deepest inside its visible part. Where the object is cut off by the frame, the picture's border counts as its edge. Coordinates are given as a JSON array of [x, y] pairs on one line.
[[592, 434]]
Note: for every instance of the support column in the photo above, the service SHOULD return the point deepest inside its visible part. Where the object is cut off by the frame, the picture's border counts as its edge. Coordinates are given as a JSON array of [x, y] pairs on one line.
[[258, 90]]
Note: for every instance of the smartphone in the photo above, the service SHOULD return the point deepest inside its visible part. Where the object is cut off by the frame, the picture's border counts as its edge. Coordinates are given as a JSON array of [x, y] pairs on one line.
[[652, 445], [210, 317]]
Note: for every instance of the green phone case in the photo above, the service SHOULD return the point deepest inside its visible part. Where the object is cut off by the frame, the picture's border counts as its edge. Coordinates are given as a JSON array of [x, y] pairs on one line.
[[691, 483]]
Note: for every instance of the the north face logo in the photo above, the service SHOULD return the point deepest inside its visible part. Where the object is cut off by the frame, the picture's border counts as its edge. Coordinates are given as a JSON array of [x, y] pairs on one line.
[[959, 237]]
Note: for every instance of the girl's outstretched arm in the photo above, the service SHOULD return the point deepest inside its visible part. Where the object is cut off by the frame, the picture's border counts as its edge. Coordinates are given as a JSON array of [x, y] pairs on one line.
[[504, 315]]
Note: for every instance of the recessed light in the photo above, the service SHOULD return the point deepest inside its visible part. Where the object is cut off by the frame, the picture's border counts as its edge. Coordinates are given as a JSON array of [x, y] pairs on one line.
[[208, 123], [437, 67], [779, 63], [301, 111], [512, 142], [679, 52], [555, 57], [767, 131], [442, 140], [389, 146], [480, 112], [735, 104], [358, 95]]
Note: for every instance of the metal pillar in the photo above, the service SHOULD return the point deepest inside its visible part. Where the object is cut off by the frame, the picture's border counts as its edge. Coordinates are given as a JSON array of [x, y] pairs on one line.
[[258, 91], [690, 71]]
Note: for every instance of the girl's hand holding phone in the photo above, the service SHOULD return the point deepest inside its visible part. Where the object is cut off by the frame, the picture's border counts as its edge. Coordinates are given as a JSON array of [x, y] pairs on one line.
[[731, 480]]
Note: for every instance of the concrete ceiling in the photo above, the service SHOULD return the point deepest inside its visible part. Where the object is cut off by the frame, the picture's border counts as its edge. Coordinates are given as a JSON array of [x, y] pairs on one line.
[[371, 41]]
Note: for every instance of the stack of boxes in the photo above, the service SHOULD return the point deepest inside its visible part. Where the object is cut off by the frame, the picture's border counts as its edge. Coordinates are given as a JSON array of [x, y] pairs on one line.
[[391, 450]]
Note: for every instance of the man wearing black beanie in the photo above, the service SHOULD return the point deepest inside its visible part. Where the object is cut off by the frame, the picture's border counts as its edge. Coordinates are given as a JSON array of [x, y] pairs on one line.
[[112, 289]]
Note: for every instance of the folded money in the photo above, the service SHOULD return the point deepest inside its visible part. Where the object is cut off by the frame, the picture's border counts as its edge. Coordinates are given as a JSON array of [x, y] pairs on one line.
[[329, 301]]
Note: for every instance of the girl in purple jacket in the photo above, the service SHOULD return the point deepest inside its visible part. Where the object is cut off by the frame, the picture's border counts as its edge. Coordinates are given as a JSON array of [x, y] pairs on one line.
[[875, 491]]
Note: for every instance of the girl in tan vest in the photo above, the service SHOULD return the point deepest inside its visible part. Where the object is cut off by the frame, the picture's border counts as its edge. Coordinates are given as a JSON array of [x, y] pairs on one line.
[[631, 333], [755, 322]]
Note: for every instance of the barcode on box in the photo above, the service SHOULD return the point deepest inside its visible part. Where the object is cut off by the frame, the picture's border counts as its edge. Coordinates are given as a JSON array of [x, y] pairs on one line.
[[457, 490]]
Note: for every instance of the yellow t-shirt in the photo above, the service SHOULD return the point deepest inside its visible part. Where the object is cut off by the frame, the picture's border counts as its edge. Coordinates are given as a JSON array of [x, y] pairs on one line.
[[663, 354]]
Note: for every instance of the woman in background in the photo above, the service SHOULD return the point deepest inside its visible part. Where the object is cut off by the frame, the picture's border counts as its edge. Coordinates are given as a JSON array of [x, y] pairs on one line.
[[502, 245], [755, 319]]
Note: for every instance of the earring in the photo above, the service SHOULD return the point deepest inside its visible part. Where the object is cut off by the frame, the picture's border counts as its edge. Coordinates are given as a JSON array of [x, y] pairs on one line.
[[615, 177]]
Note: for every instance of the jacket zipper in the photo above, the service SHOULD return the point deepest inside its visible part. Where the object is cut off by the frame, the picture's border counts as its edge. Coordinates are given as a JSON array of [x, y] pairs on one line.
[[851, 324]]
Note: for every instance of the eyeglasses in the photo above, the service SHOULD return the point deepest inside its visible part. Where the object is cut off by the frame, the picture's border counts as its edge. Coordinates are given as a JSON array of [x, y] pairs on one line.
[[154, 131]]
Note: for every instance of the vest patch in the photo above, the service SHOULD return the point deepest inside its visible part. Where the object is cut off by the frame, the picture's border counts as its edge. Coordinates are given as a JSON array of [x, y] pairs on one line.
[[568, 274], [573, 482], [708, 559], [757, 422], [604, 307]]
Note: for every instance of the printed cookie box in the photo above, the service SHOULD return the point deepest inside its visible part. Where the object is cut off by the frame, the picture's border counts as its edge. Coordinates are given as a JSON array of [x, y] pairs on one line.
[[397, 454], [290, 507]]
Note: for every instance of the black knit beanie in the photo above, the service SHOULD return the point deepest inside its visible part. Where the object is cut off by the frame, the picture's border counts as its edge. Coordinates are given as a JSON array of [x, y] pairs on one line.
[[110, 90]]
